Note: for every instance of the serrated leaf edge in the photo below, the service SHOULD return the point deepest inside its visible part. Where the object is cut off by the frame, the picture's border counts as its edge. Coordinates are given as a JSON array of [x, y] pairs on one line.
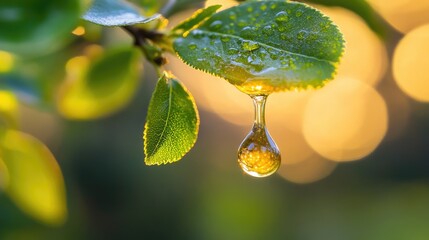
[[291, 85], [168, 77]]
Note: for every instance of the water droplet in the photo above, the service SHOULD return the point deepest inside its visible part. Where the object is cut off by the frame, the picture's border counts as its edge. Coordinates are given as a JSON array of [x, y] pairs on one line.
[[281, 16], [268, 30], [258, 154], [242, 23], [250, 45], [225, 39], [299, 13], [273, 6], [232, 16], [247, 32], [192, 46], [216, 25], [232, 51], [301, 35]]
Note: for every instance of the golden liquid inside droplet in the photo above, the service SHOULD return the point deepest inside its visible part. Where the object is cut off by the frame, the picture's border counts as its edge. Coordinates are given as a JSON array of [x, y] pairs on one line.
[[258, 155]]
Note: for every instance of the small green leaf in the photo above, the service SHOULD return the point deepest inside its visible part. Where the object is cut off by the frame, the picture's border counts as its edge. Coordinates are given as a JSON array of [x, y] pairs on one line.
[[38, 26], [197, 18], [35, 181], [264, 47], [8, 111], [4, 174], [115, 13], [98, 87], [172, 123]]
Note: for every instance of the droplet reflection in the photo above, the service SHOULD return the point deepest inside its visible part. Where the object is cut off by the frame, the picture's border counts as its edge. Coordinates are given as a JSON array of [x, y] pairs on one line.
[[258, 154]]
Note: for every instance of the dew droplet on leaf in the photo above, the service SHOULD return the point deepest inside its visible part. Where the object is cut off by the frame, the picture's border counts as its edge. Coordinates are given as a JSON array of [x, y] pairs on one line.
[[250, 45], [216, 25], [281, 16]]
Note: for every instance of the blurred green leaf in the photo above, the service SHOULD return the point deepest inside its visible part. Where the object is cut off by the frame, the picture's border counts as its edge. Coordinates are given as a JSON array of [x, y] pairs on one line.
[[4, 174], [265, 46], [198, 17], [35, 27], [115, 13], [26, 89], [35, 184], [99, 87], [172, 123], [361, 8], [149, 6], [8, 111]]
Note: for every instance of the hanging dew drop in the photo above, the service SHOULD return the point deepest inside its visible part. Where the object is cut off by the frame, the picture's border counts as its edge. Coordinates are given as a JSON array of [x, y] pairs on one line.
[[258, 154]]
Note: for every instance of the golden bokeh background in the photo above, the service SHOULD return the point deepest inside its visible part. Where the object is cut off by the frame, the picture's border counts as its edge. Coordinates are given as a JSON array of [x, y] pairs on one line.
[[354, 153]]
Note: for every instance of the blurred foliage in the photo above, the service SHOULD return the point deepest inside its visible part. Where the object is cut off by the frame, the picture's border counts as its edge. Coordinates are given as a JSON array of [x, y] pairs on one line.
[[94, 88], [113, 13], [110, 194], [35, 180], [36, 27]]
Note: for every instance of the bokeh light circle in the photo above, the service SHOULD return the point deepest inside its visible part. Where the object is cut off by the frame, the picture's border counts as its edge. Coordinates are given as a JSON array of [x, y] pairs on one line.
[[345, 121], [403, 15], [365, 56], [410, 64], [311, 170]]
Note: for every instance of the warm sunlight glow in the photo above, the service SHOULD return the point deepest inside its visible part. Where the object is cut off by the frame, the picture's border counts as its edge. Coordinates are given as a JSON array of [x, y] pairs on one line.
[[292, 144], [214, 94], [79, 31], [225, 3], [287, 108], [410, 64], [311, 170], [345, 121], [7, 61], [404, 15], [365, 56], [8, 102]]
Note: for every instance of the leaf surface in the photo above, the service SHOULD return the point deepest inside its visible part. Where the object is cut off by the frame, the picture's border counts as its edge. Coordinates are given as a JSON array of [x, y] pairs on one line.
[[265, 47], [172, 123], [198, 17], [112, 13]]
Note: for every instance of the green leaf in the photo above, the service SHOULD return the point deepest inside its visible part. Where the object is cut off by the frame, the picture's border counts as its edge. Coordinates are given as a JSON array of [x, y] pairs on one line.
[[4, 174], [98, 87], [37, 26], [360, 7], [115, 13], [172, 122], [150, 6], [265, 47], [197, 18], [8, 110], [35, 181]]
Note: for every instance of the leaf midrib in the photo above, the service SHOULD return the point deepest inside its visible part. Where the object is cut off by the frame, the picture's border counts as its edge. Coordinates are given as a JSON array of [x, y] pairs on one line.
[[170, 96], [266, 45]]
